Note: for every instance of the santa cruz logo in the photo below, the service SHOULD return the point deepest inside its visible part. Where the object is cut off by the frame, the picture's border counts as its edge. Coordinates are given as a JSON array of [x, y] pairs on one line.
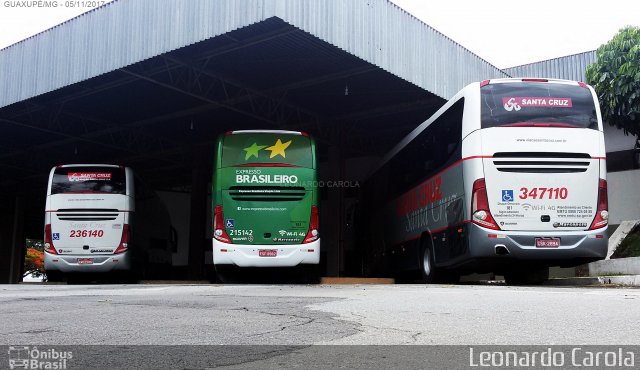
[[511, 105]]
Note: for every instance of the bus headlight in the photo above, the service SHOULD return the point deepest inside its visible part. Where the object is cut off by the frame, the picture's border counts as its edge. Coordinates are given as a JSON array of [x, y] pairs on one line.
[[218, 232], [314, 232], [604, 214], [480, 215]]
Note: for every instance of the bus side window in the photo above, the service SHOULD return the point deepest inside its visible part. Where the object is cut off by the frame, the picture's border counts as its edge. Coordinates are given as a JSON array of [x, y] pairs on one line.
[[435, 148]]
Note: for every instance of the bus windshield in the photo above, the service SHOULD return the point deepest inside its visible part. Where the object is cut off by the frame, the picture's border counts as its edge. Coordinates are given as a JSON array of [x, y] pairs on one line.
[[537, 104], [251, 148], [88, 179]]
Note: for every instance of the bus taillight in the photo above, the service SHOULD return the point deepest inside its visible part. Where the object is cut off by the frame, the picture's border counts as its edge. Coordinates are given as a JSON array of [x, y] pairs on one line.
[[312, 234], [480, 213], [124, 240], [219, 233], [48, 240], [602, 213]]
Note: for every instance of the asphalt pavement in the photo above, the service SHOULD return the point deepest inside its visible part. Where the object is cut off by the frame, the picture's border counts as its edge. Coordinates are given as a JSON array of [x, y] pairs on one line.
[[317, 314]]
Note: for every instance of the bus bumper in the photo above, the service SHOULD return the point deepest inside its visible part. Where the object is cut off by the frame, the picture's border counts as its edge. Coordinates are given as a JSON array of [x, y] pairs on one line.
[[520, 245], [248, 255], [68, 263]]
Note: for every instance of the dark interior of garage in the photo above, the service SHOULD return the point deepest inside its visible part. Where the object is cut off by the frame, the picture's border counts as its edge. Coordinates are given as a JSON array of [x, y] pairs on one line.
[[161, 117]]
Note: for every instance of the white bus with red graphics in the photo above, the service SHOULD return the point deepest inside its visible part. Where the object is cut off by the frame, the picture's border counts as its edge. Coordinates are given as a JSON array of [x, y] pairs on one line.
[[101, 218], [507, 177]]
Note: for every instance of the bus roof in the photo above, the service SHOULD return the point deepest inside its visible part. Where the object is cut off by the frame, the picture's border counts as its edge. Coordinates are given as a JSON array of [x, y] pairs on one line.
[[89, 165], [529, 79]]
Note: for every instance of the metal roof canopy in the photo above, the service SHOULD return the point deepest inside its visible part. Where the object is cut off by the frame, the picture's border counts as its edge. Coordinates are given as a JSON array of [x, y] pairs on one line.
[[570, 67], [151, 84], [153, 114], [126, 32]]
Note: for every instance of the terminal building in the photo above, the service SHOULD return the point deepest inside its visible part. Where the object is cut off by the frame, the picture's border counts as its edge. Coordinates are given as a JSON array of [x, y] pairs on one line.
[[151, 85]]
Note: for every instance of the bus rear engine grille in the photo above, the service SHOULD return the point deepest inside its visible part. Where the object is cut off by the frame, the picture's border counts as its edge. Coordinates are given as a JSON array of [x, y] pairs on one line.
[[532, 162], [82, 214], [267, 193]]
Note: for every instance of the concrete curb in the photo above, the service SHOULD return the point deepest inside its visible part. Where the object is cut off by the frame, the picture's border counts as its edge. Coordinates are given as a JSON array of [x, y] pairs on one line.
[[352, 280], [626, 280], [617, 266]]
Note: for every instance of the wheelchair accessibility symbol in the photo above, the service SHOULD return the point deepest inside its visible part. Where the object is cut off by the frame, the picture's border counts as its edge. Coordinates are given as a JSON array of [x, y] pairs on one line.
[[507, 195], [230, 223]]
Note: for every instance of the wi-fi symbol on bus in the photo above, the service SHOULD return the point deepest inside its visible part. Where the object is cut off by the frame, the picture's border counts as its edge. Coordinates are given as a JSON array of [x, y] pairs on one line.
[[526, 206]]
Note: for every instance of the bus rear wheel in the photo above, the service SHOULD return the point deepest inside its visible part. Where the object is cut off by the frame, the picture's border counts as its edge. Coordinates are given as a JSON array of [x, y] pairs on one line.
[[54, 276], [428, 268], [225, 273], [309, 274], [430, 273], [527, 277]]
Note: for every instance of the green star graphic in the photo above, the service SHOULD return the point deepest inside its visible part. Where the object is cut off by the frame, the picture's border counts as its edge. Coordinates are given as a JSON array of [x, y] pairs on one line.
[[253, 150]]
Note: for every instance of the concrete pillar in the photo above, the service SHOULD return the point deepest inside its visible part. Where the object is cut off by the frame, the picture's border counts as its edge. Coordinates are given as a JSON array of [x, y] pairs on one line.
[[198, 215], [11, 240], [330, 213]]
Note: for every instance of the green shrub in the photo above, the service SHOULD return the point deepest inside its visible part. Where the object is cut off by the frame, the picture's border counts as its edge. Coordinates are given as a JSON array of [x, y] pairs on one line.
[[630, 245]]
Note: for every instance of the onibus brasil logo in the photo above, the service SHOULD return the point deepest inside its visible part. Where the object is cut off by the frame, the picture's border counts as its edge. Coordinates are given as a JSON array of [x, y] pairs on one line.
[[25, 357], [276, 149]]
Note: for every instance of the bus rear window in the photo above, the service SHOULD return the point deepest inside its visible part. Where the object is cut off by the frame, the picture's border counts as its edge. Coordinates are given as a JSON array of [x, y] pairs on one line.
[[542, 104], [86, 179], [247, 149]]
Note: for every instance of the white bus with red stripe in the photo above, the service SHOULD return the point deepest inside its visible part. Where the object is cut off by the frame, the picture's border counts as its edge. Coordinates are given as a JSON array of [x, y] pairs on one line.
[[509, 176], [101, 219]]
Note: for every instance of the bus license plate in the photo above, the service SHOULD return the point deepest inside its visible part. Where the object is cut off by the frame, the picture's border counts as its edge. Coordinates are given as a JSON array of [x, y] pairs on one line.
[[85, 261], [547, 242], [268, 253]]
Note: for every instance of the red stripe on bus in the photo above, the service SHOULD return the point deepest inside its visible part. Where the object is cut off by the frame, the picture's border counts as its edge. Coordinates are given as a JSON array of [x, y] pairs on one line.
[[447, 169], [599, 158], [450, 226]]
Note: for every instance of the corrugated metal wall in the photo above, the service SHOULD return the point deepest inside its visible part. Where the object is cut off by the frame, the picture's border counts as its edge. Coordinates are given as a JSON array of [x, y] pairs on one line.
[[125, 32], [571, 67]]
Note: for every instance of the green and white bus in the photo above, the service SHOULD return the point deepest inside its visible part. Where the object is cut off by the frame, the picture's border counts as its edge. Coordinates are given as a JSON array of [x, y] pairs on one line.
[[265, 200]]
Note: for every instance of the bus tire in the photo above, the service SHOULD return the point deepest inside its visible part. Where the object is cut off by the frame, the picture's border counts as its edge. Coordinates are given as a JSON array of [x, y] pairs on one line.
[[527, 277], [210, 274], [225, 273], [310, 274], [77, 279], [127, 277], [54, 276], [427, 262], [430, 273]]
